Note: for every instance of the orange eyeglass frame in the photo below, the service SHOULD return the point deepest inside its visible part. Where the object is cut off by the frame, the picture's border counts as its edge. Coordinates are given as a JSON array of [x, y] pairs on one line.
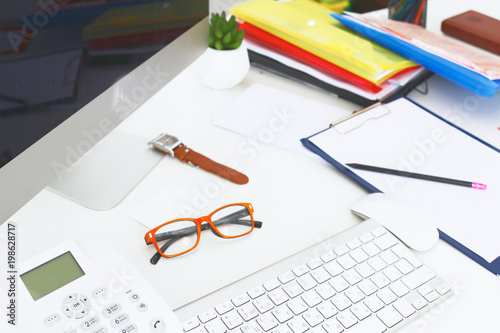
[[151, 239]]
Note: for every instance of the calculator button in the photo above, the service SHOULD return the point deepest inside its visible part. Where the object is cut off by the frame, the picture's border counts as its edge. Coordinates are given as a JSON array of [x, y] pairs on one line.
[[70, 298], [67, 311], [51, 320], [85, 300], [132, 328], [157, 325], [77, 305], [82, 313], [134, 297], [90, 323], [143, 307], [100, 330], [101, 292], [111, 310], [120, 320]]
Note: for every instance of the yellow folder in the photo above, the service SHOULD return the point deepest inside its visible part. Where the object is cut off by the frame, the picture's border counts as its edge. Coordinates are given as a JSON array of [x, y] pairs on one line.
[[311, 28]]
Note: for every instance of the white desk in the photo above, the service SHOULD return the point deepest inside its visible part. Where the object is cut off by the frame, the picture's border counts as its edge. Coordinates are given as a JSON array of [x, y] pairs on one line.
[[299, 200]]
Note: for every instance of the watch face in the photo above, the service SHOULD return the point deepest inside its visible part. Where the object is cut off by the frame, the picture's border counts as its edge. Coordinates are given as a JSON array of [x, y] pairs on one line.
[[168, 140]]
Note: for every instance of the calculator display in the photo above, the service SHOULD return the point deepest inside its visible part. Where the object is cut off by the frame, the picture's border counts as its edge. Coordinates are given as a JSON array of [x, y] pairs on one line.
[[52, 275]]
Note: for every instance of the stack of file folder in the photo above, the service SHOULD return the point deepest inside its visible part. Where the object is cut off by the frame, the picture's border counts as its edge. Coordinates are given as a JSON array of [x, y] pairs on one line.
[[300, 40]]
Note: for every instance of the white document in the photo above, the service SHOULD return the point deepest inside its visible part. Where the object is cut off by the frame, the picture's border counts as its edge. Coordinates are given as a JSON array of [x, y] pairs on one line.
[[277, 117], [402, 136]]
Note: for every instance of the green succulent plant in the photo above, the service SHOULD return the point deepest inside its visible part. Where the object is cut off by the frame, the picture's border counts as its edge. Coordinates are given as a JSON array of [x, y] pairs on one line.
[[223, 33]]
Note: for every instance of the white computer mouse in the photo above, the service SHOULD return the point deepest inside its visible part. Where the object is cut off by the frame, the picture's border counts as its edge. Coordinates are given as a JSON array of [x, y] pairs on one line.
[[410, 225]]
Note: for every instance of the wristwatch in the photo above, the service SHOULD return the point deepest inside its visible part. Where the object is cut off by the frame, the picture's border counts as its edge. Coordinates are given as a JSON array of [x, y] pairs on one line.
[[172, 146]]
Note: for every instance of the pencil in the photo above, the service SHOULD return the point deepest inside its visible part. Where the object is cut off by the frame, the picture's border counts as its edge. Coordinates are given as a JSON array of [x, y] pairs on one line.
[[402, 173]]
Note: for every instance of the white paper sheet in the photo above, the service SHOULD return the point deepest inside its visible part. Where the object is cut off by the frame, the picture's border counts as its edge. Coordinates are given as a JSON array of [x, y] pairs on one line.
[[410, 139]]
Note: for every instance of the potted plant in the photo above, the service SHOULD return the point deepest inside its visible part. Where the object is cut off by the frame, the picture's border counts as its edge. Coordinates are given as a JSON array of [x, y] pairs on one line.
[[225, 63]]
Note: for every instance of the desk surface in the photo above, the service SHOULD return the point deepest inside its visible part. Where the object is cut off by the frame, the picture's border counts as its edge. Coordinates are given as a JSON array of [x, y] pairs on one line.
[[301, 199]]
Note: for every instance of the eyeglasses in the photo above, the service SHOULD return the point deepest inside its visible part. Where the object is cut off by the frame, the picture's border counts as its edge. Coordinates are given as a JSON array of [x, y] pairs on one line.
[[177, 237]]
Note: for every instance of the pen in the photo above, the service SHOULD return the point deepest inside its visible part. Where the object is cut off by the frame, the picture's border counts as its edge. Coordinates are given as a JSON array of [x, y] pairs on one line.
[[478, 186]]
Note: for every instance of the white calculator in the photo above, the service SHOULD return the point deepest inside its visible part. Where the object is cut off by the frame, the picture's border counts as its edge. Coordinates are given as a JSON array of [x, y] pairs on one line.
[[91, 289]]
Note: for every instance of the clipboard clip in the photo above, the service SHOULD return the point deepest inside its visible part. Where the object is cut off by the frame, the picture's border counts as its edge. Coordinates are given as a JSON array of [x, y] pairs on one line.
[[360, 117]]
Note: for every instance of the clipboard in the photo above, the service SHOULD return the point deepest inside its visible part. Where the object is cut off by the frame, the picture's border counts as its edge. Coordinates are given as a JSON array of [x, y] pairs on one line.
[[405, 136]]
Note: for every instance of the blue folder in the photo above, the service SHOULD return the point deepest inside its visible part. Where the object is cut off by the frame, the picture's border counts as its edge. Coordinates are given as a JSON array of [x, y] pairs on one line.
[[462, 76], [493, 266]]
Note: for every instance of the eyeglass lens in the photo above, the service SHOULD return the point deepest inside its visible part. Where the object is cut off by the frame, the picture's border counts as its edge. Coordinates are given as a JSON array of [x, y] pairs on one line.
[[177, 237]]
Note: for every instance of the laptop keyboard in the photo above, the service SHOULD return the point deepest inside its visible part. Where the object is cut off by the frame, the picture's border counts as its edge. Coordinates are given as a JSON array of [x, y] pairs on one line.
[[371, 283]]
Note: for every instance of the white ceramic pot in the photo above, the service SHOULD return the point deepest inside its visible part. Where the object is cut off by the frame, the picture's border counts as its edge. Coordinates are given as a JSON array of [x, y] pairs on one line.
[[223, 69]]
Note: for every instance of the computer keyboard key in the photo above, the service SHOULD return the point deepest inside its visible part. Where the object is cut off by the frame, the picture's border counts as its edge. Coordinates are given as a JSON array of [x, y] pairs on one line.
[[283, 314], [347, 319], [314, 263], [354, 294], [297, 306], [432, 296], [328, 256], [341, 302], [311, 298], [298, 325], [313, 317], [232, 319], [374, 303], [367, 287], [251, 328], [293, 289], [339, 283], [404, 308], [443, 289], [419, 303], [399, 288], [377, 264], [352, 277], [333, 326], [389, 316], [404, 266], [327, 309], [282, 329], [320, 275], [272, 284], [333, 268], [300, 270], [190, 324], [263, 304], [224, 307], [216, 326], [256, 292], [365, 270], [240, 300], [385, 241], [248, 312], [286, 277], [278, 296], [207, 316], [371, 249], [341, 250], [360, 311], [370, 325], [306, 282], [418, 277], [325, 291], [267, 322], [346, 262]]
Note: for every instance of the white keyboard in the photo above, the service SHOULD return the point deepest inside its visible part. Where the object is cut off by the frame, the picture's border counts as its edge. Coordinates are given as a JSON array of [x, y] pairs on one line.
[[368, 282]]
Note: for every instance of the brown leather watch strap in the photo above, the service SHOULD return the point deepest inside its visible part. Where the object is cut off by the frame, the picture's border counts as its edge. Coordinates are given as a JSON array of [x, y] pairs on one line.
[[186, 154]]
